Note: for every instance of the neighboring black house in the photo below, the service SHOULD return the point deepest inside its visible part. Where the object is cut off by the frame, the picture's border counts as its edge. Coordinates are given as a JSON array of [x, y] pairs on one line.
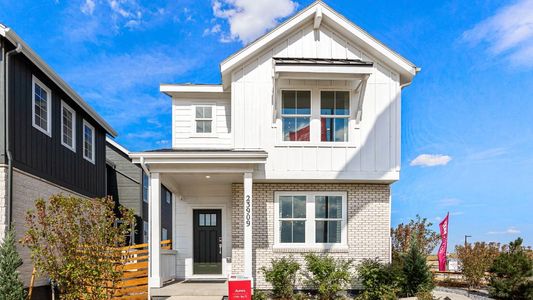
[[127, 183], [51, 140]]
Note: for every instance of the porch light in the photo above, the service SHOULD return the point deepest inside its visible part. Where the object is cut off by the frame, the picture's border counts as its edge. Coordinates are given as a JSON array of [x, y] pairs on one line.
[[207, 176]]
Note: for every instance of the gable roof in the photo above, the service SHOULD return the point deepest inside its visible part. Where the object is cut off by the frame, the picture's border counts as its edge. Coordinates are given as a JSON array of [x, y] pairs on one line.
[[12, 37], [324, 13]]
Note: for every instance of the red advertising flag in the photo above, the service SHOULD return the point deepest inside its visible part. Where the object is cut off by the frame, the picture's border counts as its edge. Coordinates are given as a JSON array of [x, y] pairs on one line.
[[444, 245]]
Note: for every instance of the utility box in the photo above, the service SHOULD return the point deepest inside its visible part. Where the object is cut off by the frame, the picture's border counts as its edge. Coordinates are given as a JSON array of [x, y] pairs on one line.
[[239, 287]]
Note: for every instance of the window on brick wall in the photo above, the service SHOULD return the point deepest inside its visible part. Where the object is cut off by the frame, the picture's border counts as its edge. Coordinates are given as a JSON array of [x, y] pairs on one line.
[[310, 219]]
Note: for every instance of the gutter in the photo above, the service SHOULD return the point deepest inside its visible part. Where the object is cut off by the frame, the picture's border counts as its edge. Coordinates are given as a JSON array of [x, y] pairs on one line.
[[9, 192]]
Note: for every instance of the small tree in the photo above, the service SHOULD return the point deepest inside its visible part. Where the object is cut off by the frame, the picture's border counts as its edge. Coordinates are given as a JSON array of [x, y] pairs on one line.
[[418, 230], [380, 281], [511, 273], [476, 261], [282, 277], [11, 287], [329, 276], [71, 241], [416, 274]]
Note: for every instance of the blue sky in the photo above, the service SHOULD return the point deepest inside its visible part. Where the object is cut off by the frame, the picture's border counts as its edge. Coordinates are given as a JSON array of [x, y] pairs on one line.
[[467, 123]]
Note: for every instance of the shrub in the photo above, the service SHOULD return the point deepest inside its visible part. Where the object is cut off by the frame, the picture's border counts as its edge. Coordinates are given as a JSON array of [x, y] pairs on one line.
[[71, 241], [329, 276], [282, 277], [11, 287], [259, 295], [416, 274], [379, 281], [424, 295], [476, 261], [511, 272], [418, 230]]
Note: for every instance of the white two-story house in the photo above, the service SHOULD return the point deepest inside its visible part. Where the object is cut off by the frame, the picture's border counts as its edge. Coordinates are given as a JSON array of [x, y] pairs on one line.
[[295, 152]]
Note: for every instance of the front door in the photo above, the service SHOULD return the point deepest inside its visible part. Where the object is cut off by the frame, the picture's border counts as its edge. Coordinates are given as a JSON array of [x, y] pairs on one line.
[[207, 241]]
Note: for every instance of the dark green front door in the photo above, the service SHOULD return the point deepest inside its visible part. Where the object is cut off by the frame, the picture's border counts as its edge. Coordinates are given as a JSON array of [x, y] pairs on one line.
[[207, 241]]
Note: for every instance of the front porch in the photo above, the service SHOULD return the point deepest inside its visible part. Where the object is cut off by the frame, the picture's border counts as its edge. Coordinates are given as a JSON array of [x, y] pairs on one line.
[[202, 216], [192, 289]]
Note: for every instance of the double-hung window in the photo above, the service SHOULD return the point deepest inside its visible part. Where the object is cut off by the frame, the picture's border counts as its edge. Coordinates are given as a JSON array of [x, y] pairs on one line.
[[68, 126], [41, 107], [334, 116], [204, 118], [310, 219], [88, 141], [296, 115]]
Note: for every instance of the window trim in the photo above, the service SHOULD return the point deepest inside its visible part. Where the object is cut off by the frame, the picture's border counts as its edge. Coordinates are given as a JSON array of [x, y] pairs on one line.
[[212, 119], [348, 117], [90, 159], [34, 81], [67, 107], [310, 221]]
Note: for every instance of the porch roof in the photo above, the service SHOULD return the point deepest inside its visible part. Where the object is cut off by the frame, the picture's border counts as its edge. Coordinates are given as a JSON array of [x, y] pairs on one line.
[[199, 156]]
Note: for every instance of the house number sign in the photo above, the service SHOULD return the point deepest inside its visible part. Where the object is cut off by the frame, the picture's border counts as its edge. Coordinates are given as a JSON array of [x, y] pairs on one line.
[[248, 210]]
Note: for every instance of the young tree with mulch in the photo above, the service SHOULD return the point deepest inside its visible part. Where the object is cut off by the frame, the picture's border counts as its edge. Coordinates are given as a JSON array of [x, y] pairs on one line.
[[73, 241], [417, 230], [11, 287]]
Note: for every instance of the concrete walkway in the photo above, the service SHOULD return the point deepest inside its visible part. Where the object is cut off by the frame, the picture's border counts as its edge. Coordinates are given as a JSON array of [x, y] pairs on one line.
[[192, 290]]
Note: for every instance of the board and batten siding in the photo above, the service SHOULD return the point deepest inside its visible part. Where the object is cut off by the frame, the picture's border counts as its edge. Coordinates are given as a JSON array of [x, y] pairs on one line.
[[41, 155], [374, 150], [183, 123]]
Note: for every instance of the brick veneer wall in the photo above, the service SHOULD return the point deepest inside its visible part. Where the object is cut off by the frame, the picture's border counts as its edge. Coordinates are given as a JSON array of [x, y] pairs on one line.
[[368, 224], [26, 189]]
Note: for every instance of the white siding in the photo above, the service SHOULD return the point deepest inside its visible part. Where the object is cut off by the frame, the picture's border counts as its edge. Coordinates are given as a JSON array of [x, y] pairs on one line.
[[184, 136], [373, 150]]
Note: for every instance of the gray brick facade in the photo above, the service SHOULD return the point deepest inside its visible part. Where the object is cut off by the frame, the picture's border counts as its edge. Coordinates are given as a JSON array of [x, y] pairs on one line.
[[368, 224]]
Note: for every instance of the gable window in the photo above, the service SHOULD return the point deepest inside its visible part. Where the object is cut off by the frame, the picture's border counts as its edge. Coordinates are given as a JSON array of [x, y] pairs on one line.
[[204, 118], [296, 115], [68, 126], [41, 107], [334, 116], [310, 219], [88, 141]]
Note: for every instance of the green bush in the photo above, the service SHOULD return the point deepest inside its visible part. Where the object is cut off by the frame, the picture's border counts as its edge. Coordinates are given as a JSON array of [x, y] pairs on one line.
[[282, 276], [424, 295], [259, 295], [329, 276], [379, 281], [11, 287], [511, 272], [415, 272]]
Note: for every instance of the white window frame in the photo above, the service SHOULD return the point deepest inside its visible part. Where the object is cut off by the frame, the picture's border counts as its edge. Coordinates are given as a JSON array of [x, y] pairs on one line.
[[48, 130], [212, 119], [310, 224], [310, 115], [91, 159], [347, 117], [67, 107]]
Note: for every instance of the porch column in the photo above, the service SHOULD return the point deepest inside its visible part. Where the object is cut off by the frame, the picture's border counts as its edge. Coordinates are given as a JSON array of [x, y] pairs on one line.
[[154, 240], [248, 224]]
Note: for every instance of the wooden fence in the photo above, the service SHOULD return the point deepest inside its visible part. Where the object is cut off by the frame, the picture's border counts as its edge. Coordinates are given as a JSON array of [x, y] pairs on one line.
[[133, 261]]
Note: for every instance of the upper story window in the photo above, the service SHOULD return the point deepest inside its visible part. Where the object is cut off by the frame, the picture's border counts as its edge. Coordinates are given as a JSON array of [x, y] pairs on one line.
[[334, 116], [68, 126], [296, 115], [41, 106], [145, 187], [204, 118], [88, 141], [307, 219]]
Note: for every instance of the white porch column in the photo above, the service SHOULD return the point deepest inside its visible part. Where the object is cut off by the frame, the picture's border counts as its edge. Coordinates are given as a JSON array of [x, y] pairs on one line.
[[248, 224], [154, 240]]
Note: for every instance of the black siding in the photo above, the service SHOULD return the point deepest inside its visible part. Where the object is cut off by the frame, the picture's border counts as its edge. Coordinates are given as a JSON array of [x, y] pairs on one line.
[[37, 153]]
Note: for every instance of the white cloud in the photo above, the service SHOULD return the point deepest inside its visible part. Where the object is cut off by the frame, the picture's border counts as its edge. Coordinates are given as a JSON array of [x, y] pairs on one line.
[[250, 19], [431, 160], [511, 231], [88, 7], [508, 33], [213, 30]]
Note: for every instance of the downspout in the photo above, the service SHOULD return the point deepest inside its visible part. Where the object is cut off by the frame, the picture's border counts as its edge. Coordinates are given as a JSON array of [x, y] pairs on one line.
[[9, 192]]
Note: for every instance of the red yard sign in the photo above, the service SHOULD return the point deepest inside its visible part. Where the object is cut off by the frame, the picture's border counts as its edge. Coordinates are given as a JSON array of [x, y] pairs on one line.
[[239, 288]]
